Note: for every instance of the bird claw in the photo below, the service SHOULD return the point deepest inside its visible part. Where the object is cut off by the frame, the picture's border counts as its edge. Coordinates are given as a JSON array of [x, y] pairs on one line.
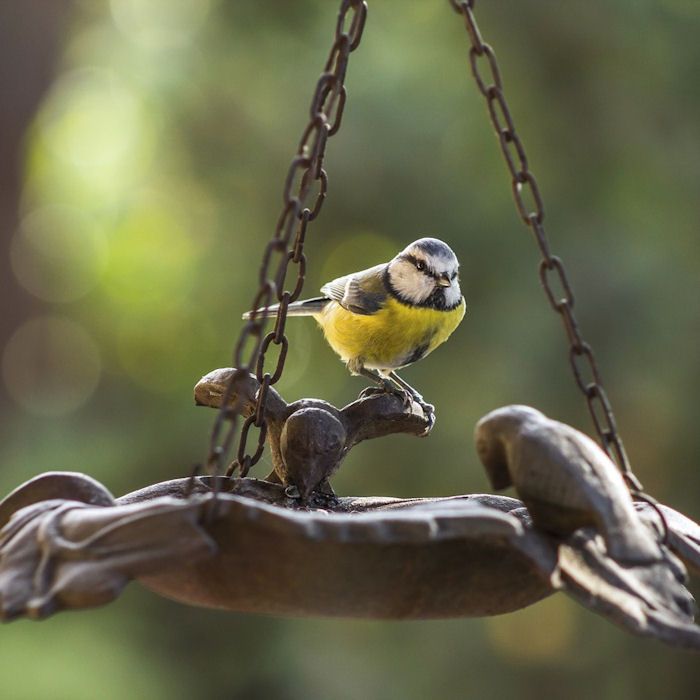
[[407, 399], [387, 388]]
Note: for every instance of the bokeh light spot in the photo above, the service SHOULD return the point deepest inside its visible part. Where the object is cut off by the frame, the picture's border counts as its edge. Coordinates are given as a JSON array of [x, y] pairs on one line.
[[152, 253], [90, 117], [159, 24], [58, 253], [95, 135], [51, 366]]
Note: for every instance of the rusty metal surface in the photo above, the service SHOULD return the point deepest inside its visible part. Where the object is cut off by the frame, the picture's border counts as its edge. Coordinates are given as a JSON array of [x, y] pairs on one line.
[[684, 534], [648, 600], [430, 559], [370, 558], [304, 192], [55, 485], [564, 478]]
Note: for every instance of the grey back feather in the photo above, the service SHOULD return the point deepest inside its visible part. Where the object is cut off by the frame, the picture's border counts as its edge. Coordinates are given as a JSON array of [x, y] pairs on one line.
[[361, 292]]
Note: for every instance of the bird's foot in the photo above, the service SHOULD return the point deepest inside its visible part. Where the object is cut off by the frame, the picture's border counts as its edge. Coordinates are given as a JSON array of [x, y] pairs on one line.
[[406, 397], [427, 408]]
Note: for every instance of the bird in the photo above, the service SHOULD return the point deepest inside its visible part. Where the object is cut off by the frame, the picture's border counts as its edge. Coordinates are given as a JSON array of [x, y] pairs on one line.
[[389, 316]]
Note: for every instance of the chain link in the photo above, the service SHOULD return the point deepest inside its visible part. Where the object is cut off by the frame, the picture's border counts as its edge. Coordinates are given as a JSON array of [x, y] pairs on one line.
[[303, 195], [528, 201]]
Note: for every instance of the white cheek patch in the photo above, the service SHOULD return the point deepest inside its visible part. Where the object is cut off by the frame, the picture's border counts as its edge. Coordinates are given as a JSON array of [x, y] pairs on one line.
[[409, 283]]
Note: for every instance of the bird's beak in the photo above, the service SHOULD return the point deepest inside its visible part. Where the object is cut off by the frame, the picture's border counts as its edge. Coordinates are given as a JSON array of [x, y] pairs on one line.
[[444, 281]]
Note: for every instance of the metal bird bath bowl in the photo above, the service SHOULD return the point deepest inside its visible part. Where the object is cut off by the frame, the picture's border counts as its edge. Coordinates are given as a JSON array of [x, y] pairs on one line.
[[370, 558]]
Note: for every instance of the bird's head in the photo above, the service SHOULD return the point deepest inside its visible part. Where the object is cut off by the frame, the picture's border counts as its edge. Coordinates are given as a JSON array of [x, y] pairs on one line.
[[426, 273]]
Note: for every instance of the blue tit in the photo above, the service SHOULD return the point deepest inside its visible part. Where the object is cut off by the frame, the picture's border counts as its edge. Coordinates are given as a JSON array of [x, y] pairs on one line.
[[391, 315]]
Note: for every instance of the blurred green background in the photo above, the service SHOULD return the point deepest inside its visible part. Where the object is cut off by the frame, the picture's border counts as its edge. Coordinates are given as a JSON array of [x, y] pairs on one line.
[[144, 145]]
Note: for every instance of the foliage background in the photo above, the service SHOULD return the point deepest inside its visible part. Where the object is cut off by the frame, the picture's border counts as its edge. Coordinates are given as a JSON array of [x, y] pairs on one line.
[[143, 152]]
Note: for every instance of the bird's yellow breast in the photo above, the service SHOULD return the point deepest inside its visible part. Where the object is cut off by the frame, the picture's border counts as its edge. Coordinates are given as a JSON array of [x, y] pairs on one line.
[[394, 337]]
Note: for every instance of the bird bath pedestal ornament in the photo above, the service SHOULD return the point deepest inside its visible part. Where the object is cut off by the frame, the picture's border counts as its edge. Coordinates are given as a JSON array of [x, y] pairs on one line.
[[290, 546]]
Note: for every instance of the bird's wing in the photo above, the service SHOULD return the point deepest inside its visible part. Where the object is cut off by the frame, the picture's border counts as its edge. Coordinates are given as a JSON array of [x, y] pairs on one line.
[[361, 292]]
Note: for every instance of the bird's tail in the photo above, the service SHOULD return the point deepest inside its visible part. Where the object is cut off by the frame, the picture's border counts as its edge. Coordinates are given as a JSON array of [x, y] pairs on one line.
[[308, 307]]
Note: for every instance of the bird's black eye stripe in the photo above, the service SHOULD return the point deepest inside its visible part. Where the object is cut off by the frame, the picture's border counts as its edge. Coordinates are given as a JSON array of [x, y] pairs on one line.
[[422, 266], [419, 264]]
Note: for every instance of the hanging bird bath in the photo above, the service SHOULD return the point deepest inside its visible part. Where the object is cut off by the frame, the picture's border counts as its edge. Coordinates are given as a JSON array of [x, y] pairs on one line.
[[288, 545]]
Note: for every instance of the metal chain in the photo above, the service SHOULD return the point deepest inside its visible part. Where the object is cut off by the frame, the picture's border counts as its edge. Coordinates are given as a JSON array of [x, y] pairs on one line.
[[303, 196], [555, 281]]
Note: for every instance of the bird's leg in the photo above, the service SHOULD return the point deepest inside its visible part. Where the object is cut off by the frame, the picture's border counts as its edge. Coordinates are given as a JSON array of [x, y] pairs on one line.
[[388, 386], [406, 387], [393, 384], [428, 408], [385, 386]]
